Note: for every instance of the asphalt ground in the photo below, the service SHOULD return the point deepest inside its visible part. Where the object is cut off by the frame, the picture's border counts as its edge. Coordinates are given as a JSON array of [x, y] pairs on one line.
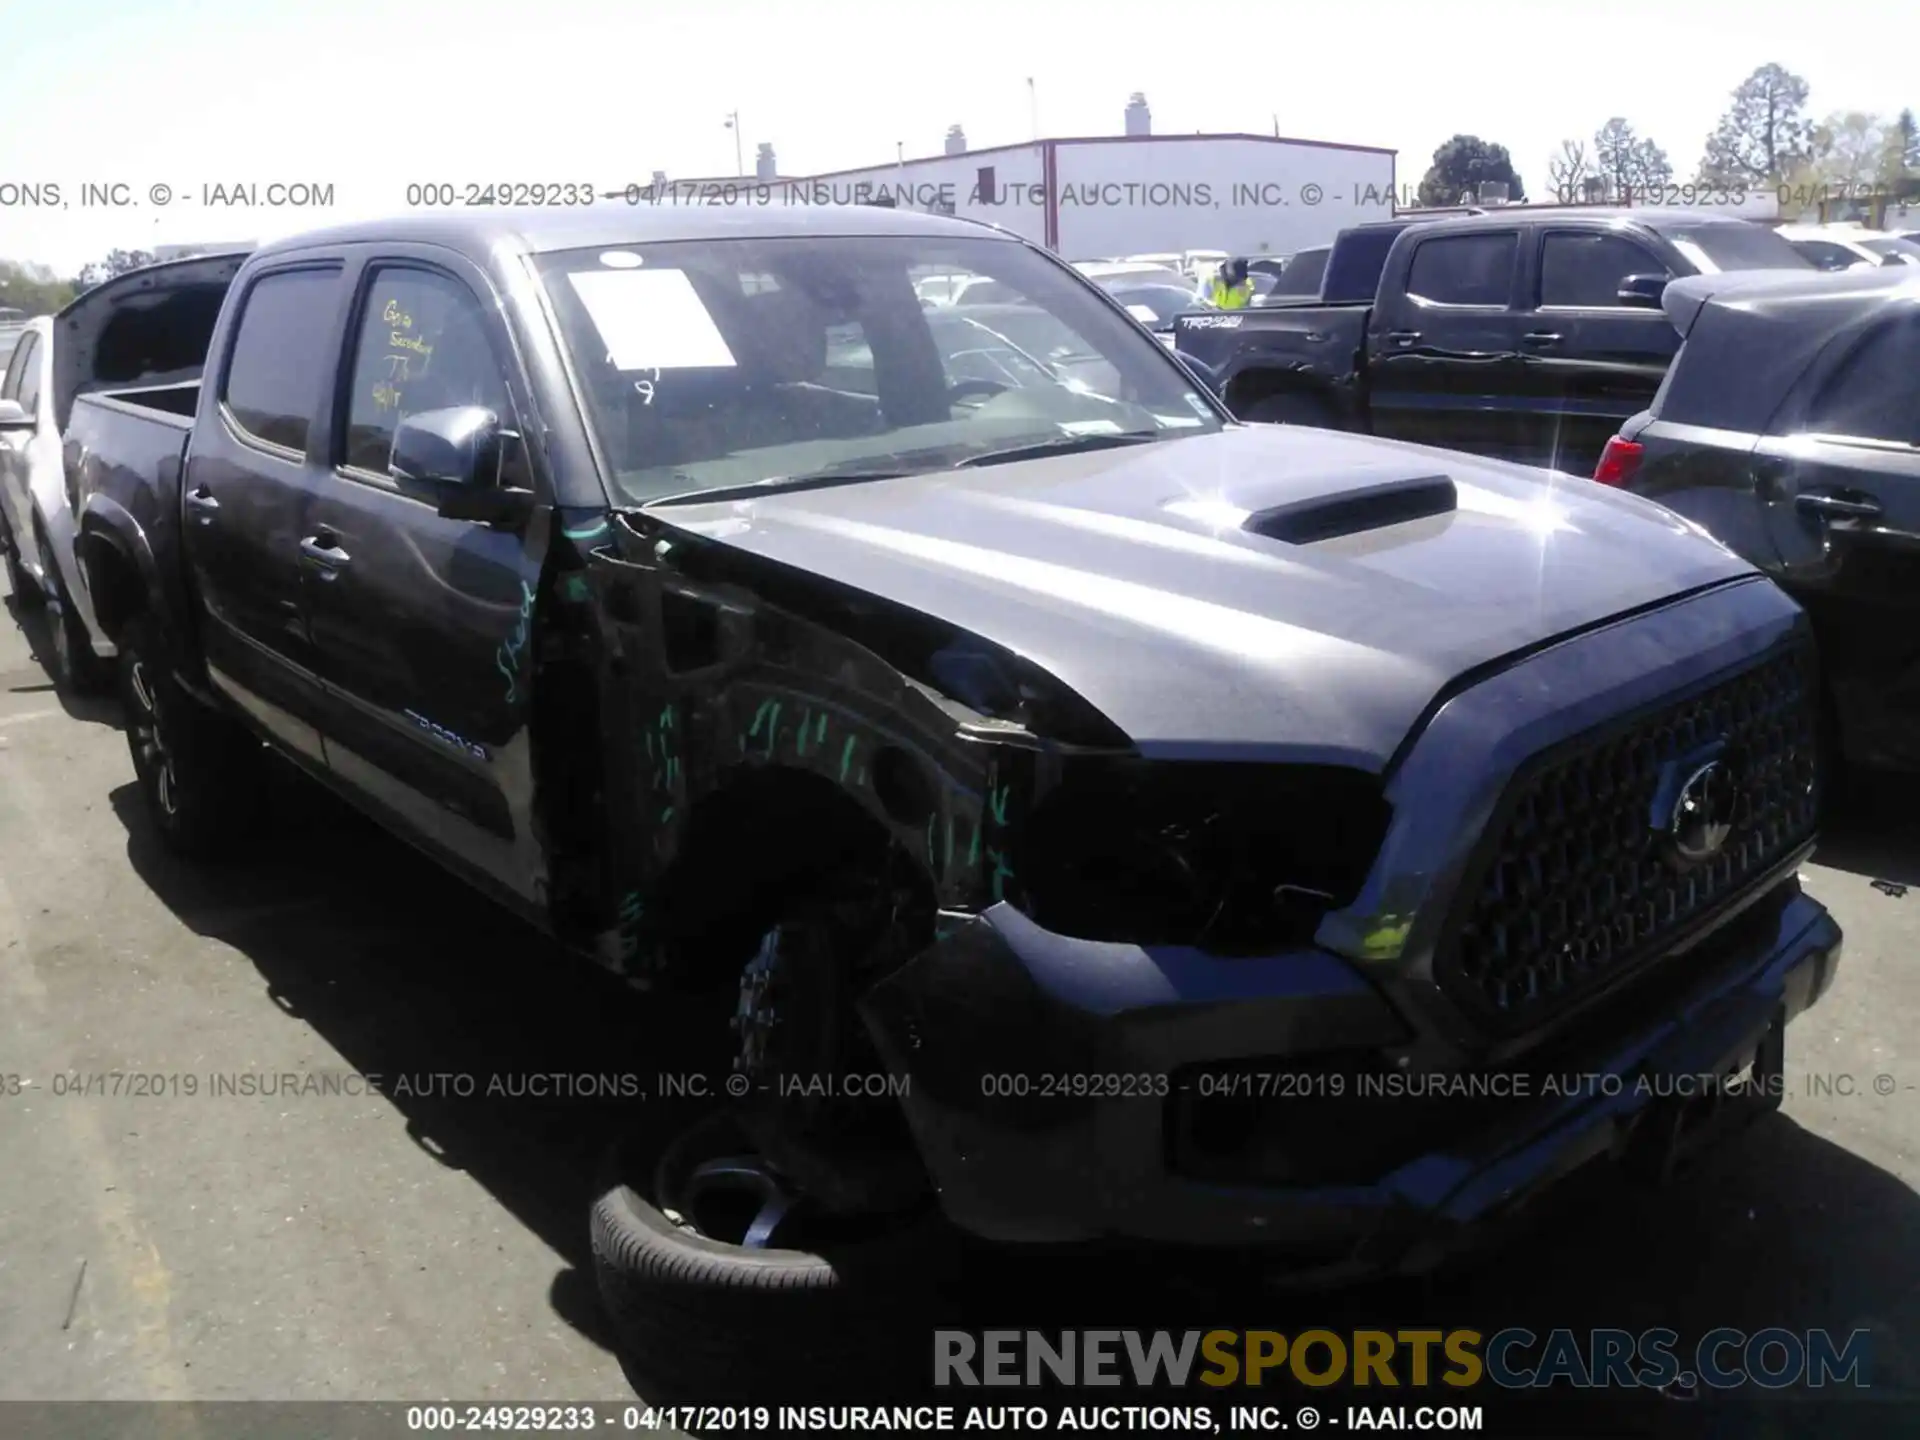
[[408, 1242]]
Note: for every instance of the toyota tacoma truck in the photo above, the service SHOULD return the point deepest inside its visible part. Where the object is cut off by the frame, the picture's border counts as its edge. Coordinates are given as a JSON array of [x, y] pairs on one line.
[[1066, 813], [1522, 334]]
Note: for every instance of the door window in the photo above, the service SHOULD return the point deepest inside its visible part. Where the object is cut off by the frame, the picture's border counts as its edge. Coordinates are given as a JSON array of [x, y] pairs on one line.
[[23, 376], [1584, 270], [421, 345], [1464, 269], [279, 355], [1875, 394]]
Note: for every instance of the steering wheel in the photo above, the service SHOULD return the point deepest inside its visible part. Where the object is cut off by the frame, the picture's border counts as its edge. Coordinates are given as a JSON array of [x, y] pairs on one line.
[[974, 389]]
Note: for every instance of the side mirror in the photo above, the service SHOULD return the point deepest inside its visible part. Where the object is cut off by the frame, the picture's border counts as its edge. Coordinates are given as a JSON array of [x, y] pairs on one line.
[[14, 417], [1642, 291], [451, 459]]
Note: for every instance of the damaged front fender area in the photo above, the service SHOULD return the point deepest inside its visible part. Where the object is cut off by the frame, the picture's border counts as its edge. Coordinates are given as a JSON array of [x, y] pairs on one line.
[[763, 726]]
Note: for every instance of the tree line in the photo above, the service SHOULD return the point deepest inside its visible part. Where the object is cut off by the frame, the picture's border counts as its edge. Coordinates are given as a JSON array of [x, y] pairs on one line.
[[40, 289], [1765, 142]]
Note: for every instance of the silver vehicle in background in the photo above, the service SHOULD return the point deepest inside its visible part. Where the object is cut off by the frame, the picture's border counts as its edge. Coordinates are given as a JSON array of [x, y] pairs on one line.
[[36, 515]]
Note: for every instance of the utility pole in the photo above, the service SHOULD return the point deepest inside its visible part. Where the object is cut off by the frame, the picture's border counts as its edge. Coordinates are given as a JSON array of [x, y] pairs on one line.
[[739, 160], [1033, 107]]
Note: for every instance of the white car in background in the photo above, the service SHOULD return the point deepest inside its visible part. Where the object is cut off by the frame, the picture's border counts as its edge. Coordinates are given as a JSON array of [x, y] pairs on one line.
[[36, 514], [1850, 247]]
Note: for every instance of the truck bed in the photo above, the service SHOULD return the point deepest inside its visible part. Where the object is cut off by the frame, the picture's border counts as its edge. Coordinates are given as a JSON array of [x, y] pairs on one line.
[[1314, 339], [125, 451]]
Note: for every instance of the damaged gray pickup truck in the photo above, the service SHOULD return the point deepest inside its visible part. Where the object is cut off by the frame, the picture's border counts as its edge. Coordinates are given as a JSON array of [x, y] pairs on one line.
[[1077, 815]]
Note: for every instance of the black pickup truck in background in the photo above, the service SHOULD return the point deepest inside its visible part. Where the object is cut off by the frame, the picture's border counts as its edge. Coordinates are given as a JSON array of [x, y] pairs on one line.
[[1528, 335]]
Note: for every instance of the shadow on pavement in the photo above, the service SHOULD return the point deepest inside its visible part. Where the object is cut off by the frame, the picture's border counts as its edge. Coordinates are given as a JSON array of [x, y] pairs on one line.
[[404, 971], [1876, 832], [410, 976], [94, 709]]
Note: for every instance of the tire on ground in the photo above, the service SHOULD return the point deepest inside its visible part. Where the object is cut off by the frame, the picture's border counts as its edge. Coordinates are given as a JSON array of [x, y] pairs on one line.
[[212, 797], [700, 1313]]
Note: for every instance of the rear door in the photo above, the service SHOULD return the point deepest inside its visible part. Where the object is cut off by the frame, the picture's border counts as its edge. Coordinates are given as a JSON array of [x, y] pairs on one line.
[[1843, 488], [1589, 362], [253, 462], [424, 625], [1445, 355]]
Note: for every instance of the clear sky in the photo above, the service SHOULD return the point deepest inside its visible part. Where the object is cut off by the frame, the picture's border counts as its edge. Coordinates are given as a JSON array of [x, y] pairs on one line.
[[369, 97]]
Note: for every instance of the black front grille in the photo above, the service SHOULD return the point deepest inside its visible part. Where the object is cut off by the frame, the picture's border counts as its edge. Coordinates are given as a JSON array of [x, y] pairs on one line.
[[1575, 886]]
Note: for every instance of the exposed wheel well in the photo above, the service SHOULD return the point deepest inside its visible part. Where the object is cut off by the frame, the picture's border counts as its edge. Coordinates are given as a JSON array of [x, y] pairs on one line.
[[1250, 387], [113, 583], [752, 846]]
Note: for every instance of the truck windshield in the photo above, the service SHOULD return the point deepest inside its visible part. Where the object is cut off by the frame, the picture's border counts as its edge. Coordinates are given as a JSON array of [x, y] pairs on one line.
[[716, 364], [1735, 245]]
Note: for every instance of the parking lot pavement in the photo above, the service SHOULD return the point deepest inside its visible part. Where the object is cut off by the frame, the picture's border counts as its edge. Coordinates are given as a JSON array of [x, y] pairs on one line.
[[416, 1245]]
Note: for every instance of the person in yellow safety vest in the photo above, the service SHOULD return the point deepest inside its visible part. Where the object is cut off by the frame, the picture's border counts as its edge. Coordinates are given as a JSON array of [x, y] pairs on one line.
[[1231, 289]]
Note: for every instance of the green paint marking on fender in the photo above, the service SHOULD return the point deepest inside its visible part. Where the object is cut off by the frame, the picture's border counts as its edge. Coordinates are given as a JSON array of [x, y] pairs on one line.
[[666, 717], [1001, 874], [973, 850], [760, 716], [820, 731], [666, 815], [846, 758], [800, 735], [997, 802], [930, 858], [773, 727]]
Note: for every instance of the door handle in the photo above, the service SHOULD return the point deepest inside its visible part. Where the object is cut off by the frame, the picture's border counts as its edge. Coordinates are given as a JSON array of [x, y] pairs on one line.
[[1837, 507], [322, 550], [1403, 338], [201, 501], [1541, 337]]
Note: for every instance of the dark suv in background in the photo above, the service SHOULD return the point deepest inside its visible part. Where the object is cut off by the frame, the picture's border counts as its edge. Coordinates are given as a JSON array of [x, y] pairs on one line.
[[1789, 428]]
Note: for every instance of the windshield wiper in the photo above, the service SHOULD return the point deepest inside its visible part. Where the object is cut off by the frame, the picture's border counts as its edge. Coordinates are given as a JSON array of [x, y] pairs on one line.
[[1060, 445], [849, 474]]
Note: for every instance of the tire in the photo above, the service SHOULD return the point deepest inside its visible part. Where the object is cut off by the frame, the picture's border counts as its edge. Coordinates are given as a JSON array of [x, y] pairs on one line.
[[26, 594], [73, 663], [199, 772], [1293, 407], [701, 1312]]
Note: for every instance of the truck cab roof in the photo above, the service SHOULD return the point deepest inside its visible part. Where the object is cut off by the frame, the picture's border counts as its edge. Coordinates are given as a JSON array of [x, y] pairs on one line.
[[539, 231]]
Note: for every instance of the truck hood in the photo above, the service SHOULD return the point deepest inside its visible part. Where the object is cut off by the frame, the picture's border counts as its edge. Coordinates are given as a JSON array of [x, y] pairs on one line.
[[1128, 575]]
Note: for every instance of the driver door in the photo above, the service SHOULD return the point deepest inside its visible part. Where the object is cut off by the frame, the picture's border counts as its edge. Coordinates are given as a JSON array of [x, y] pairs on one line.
[[423, 625]]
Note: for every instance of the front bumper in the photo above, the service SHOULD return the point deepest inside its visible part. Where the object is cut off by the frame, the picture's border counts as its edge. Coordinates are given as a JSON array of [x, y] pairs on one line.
[[1045, 1085], [1056, 1085]]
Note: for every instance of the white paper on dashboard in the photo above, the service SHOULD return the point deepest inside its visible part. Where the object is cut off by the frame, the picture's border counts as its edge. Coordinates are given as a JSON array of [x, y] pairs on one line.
[[651, 319]]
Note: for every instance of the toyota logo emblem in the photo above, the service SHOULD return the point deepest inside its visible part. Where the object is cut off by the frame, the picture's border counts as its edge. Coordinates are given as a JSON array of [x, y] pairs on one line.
[[1704, 813]]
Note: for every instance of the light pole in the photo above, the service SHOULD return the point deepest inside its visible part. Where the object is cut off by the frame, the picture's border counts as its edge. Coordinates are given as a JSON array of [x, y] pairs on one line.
[[1033, 107], [739, 161]]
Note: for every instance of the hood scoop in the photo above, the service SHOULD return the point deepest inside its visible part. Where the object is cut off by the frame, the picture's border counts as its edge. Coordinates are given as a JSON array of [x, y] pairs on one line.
[[1350, 512]]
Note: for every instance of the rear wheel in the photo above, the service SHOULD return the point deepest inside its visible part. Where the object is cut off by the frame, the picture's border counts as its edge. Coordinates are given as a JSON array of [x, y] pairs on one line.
[[73, 662], [198, 770]]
